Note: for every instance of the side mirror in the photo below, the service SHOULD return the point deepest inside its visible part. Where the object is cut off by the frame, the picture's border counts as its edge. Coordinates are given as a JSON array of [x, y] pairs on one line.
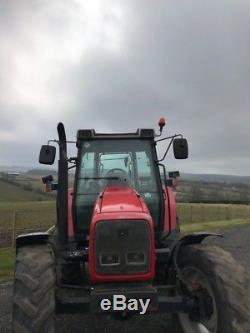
[[47, 154], [47, 179], [174, 174], [180, 147], [169, 182]]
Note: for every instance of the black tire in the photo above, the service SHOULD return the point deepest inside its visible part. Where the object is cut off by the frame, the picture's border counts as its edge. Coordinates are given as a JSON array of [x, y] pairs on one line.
[[226, 283], [67, 272], [34, 290]]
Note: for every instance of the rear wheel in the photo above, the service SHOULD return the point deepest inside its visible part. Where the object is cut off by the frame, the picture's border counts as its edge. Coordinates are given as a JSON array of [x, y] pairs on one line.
[[34, 290], [212, 273]]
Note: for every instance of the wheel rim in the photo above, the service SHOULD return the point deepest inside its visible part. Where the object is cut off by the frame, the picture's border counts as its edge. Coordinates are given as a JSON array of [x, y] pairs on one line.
[[196, 280]]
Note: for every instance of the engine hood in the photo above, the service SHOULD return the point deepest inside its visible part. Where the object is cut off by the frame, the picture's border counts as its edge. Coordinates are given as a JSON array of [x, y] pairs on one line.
[[121, 199], [120, 212]]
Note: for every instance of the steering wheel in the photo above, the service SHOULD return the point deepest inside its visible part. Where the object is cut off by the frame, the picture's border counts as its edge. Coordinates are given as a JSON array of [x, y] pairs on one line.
[[117, 169]]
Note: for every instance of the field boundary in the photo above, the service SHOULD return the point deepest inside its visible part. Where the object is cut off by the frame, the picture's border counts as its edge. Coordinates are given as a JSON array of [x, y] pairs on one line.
[[7, 254], [17, 218]]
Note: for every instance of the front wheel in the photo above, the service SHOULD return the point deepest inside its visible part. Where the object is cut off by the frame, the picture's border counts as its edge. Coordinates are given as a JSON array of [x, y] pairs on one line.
[[34, 290], [213, 273]]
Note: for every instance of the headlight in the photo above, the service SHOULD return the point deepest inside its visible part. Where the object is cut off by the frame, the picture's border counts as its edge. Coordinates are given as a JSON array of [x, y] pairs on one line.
[[109, 259], [135, 258]]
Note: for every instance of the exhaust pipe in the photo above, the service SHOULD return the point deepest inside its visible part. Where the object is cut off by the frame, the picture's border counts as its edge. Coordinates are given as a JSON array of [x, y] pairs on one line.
[[62, 190]]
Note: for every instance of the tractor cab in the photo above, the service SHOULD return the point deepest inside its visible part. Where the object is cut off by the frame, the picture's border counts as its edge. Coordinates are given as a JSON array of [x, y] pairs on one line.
[[124, 160], [117, 161]]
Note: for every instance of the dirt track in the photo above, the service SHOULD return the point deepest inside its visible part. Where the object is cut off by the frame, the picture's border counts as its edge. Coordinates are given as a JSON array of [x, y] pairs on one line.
[[236, 240]]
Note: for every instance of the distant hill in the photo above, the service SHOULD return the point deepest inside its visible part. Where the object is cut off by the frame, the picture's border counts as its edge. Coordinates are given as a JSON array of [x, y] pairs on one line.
[[192, 187], [13, 168], [193, 177], [39, 172], [10, 192], [23, 169], [214, 178], [31, 171]]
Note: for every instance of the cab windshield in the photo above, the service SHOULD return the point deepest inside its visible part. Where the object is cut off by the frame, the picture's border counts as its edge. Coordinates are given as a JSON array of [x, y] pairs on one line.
[[115, 162]]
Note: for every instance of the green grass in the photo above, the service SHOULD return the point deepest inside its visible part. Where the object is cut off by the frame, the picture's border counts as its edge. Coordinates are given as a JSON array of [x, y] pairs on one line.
[[39, 214], [27, 191], [7, 262], [214, 225], [7, 255], [10, 192], [28, 214]]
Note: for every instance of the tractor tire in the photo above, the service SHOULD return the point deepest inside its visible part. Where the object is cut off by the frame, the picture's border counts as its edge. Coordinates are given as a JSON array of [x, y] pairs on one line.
[[34, 290], [67, 272], [213, 270]]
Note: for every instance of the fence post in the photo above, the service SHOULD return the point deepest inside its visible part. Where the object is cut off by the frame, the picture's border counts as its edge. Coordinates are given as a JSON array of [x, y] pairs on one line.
[[39, 219], [202, 213], [14, 218], [191, 213], [227, 213]]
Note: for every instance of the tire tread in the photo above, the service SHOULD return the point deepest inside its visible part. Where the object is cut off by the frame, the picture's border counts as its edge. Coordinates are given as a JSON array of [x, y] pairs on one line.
[[34, 290]]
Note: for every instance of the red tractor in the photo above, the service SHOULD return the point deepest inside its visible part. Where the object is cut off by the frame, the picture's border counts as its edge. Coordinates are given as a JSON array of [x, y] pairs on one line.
[[117, 247]]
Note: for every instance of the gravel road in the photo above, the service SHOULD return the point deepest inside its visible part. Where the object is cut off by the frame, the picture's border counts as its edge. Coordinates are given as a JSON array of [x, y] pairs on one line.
[[235, 240]]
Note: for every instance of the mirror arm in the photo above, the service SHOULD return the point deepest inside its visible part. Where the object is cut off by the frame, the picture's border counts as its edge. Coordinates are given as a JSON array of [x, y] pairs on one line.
[[167, 150], [72, 166], [72, 160], [57, 141], [49, 141], [170, 137]]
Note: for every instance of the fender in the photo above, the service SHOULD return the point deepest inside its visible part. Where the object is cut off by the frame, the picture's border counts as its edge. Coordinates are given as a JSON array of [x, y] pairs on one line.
[[32, 238], [192, 239], [197, 237]]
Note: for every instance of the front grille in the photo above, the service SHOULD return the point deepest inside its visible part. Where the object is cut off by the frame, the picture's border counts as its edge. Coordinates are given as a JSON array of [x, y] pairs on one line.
[[122, 247]]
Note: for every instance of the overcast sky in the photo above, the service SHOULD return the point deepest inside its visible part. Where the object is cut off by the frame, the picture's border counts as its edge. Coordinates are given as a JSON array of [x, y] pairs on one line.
[[120, 65]]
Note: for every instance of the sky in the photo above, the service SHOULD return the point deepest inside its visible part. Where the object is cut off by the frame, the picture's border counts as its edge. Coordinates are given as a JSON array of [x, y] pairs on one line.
[[120, 65]]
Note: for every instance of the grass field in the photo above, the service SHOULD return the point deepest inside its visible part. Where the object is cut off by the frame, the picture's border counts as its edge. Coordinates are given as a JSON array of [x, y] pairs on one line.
[[23, 191], [7, 255], [7, 261], [27, 187], [214, 225], [35, 181], [24, 207], [28, 214], [43, 213], [10, 192]]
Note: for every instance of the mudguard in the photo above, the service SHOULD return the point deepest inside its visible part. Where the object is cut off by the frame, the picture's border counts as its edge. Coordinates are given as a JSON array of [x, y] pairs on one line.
[[195, 238], [32, 238]]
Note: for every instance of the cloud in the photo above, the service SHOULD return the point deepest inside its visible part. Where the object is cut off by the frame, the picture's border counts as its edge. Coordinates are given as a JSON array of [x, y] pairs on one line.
[[117, 66]]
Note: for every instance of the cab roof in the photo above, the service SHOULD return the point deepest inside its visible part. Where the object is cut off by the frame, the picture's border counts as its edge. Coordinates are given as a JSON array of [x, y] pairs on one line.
[[141, 133]]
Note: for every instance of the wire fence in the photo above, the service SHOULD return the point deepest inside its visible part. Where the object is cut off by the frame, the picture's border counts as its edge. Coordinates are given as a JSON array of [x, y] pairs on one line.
[[14, 222], [199, 213], [8, 237]]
